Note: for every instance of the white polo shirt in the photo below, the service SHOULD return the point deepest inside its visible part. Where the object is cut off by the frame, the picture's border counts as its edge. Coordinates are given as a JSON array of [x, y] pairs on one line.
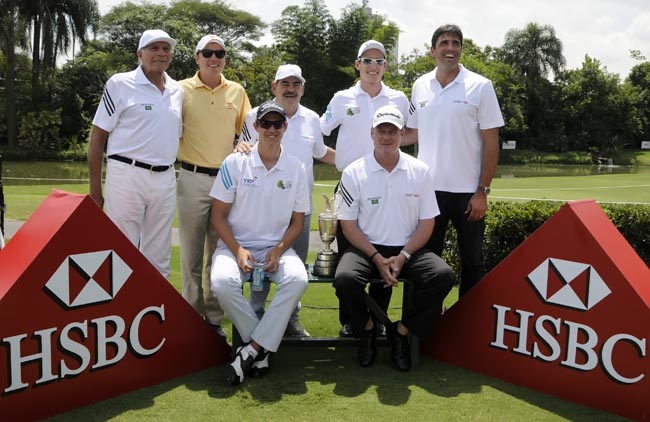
[[387, 206], [262, 200], [449, 121], [144, 124], [302, 138], [352, 109]]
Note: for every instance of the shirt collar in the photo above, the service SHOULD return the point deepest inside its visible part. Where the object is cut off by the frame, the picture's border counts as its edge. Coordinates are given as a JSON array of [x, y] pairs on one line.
[[198, 83], [141, 78], [257, 160], [356, 89], [374, 166]]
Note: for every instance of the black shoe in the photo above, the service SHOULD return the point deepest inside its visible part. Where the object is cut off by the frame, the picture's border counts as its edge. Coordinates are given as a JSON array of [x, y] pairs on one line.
[[217, 329], [239, 366], [367, 347], [260, 366], [400, 350], [346, 331]]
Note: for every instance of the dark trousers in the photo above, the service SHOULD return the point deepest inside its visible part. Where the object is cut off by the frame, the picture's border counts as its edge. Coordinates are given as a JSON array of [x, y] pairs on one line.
[[377, 292], [430, 279], [470, 236]]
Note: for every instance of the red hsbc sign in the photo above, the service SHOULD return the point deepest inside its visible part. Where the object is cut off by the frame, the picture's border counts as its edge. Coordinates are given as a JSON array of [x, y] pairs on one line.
[[81, 308], [567, 313]]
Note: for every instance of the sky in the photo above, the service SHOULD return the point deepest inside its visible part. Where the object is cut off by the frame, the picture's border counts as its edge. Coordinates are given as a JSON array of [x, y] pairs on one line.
[[605, 30]]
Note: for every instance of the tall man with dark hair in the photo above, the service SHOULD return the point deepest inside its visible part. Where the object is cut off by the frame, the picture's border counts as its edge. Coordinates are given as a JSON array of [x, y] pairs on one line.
[[455, 118]]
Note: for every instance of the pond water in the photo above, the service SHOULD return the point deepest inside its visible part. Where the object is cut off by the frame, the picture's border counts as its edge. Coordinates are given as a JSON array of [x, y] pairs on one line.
[[50, 172]]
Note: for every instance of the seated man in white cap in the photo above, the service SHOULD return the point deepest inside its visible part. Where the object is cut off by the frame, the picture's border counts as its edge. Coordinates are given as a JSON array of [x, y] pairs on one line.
[[384, 186], [260, 202], [140, 181], [304, 140]]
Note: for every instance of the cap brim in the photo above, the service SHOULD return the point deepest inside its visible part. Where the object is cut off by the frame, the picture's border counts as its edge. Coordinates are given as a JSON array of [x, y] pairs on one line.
[[170, 41]]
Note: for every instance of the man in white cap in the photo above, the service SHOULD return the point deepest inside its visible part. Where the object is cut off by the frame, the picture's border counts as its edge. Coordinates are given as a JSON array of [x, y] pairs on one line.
[[213, 114], [138, 121], [302, 139], [351, 110], [260, 202], [388, 185]]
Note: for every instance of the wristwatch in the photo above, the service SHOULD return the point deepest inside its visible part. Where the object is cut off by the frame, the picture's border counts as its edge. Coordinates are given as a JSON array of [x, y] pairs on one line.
[[406, 254], [485, 190]]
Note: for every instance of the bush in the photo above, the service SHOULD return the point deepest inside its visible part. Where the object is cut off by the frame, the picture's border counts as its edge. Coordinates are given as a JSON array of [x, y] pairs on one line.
[[508, 224]]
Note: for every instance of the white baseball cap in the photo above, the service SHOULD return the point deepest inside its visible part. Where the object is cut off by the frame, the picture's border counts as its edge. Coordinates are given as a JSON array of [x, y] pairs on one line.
[[369, 45], [388, 114], [207, 40], [154, 35], [287, 71]]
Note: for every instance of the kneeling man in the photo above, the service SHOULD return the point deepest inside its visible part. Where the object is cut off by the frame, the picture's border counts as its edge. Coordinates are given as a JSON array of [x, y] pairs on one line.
[[386, 206], [260, 201]]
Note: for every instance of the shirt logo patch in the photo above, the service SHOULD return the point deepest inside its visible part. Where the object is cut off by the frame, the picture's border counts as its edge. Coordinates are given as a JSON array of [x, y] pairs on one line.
[[148, 107], [250, 182], [423, 104], [412, 195], [283, 185], [374, 201], [351, 111]]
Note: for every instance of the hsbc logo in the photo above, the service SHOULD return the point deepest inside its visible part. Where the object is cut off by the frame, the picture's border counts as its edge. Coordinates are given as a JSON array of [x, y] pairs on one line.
[[88, 278], [571, 284], [83, 280], [548, 338]]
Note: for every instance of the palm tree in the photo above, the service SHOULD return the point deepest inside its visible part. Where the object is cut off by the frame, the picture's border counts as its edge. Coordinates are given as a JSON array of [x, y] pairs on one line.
[[533, 51], [13, 33], [56, 23]]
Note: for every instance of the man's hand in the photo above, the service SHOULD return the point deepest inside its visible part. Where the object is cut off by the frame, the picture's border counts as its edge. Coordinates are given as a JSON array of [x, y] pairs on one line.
[[272, 260], [476, 207], [385, 270], [245, 260], [244, 147]]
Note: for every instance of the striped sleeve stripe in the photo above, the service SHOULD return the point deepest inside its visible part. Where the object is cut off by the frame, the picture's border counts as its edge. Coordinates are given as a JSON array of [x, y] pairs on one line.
[[225, 176], [345, 195], [108, 102], [246, 133], [411, 108]]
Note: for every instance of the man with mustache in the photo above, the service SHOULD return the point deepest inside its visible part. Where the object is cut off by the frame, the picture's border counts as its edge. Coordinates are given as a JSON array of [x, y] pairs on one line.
[[138, 121], [303, 139], [213, 115]]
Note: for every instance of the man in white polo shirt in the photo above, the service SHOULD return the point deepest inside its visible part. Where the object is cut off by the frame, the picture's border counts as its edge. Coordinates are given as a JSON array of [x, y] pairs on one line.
[[138, 121], [455, 119], [302, 139], [213, 115], [260, 202], [387, 209], [351, 110]]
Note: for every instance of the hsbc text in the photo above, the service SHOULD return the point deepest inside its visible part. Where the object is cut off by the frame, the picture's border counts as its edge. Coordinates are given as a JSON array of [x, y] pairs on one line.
[[547, 348], [68, 344]]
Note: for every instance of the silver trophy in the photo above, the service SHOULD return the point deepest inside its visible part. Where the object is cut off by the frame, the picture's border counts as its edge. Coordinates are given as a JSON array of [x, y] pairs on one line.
[[327, 259]]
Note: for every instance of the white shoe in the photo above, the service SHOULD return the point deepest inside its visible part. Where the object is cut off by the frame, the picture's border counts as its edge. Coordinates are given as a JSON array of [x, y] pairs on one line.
[[240, 365]]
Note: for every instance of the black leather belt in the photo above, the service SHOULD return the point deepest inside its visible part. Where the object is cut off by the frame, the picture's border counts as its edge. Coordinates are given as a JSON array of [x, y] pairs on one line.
[[198, 169], [139, 163]]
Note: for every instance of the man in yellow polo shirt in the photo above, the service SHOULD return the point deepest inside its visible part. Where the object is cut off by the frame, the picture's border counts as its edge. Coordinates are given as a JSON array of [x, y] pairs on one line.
[[214, 109]]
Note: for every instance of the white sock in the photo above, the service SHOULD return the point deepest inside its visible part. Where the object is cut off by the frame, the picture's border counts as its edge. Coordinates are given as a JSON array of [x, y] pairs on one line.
[[251, 351]]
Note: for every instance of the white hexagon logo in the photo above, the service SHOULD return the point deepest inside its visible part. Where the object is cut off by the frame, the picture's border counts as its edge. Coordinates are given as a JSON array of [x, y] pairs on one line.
[[570, 284], [88, 278]]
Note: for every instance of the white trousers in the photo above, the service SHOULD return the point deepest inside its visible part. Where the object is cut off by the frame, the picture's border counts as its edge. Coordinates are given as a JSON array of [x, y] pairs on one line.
[[227, 280], [141, 203], [198, 241]]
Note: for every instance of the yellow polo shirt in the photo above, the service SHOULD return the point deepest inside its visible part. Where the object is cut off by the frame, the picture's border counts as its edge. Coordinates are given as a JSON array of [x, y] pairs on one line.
[[212, 119]]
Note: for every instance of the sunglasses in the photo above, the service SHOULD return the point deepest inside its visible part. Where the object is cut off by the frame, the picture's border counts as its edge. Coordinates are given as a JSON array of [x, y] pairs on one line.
[[207, 53], [369, 61], [266, 124]]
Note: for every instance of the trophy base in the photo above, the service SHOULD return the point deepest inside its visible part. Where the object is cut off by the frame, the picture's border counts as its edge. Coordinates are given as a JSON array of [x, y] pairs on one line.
[[325, 265]]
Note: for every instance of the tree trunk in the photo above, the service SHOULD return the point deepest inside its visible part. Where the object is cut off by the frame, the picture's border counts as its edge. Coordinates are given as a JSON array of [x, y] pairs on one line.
[[10, 83]]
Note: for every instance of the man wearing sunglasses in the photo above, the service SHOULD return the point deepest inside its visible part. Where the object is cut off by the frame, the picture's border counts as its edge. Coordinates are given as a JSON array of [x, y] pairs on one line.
[[213, 115], [351, 110], [258, 211], [302, 139]]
